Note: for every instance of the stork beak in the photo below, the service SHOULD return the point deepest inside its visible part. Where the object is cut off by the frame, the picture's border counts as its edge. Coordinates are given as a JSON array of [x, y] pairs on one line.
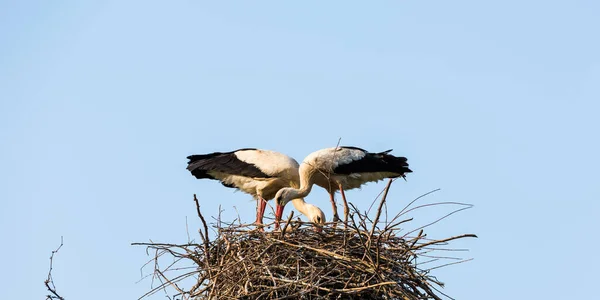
[[318, 228], [278, 214]]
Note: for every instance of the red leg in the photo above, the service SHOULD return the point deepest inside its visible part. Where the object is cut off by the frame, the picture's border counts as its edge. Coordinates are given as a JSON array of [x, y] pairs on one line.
[[278, 215], [261, 205], [346, 209], [334, 207]]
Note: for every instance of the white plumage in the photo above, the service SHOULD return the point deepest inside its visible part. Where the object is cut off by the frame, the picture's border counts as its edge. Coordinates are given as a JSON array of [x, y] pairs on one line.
[[260, 173], [341, 168]]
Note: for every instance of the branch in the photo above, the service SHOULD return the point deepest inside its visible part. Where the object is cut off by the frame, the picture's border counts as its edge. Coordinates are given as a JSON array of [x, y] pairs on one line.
[[387, 188], [205, 238], [442, 241], [205, 235], [49, 282], [284, 229]]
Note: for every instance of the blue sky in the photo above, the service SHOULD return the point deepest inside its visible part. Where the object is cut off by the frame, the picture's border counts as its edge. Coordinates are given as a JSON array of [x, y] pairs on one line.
[[493, 102]]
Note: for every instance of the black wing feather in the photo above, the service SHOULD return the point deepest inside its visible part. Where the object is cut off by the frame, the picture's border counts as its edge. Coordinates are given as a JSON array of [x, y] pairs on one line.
[[222, 162], [375, 162]]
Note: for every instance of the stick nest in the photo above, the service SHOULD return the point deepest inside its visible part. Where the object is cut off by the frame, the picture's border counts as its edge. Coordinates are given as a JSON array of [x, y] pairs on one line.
[[351, 259]]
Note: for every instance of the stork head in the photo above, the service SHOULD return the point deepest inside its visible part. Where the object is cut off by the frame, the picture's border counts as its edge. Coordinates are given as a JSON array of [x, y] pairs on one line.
[[285, 195], [316, 216], [282, 197], [312, 212]]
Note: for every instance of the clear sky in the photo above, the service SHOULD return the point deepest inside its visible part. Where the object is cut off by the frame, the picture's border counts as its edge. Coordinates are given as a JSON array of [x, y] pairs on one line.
[[496, 103]]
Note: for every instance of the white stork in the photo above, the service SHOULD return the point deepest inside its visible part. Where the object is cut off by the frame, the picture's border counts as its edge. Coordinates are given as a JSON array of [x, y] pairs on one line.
[[260, 173], [341, 168]]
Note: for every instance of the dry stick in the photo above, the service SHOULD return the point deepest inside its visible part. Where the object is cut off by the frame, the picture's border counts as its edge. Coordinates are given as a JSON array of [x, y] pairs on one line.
[[151, 292], [438, 290], [172, 283], [206, 239], [430, 292], [163, 285], [373, 202], [385, 193], [154, 260], [437, 257], [448, 264], [286, 224], [166, 245], [363, 243], [157, 270], [388, 229], [434, 204], [411, 202], [187, 230], [444, 240], [439, 219], [415, 240], [204, 236], [49, 280], [360, 218]]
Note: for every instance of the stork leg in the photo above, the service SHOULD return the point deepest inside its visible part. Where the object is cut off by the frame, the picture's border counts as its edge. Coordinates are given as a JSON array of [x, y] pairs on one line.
[[346, 210], [261, 204], [334, 207]]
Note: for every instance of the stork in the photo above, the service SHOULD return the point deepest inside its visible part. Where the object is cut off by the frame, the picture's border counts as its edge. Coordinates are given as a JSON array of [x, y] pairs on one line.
[[341, 168], [260, 173]]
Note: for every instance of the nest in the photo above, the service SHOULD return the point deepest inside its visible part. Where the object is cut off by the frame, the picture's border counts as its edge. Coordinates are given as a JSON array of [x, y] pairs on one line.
[[351, 259]]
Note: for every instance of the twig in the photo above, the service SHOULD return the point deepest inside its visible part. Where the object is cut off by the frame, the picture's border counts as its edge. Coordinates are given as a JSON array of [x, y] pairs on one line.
[[49, 282], [204, 236], [443, 240], [385, 193], [286, 224], [206, 239], [439, 219]]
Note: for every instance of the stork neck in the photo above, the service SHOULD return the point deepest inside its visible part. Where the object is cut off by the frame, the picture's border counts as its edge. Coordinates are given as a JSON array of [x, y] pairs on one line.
[[300, 205], [305, 180]]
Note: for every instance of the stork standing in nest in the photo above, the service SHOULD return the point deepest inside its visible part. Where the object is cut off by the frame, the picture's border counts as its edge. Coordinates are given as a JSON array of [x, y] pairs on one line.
[[260, 173], [341, 168]]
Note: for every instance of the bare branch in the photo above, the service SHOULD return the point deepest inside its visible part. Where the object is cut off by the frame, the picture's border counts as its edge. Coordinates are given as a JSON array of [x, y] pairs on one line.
[[49, 282]]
